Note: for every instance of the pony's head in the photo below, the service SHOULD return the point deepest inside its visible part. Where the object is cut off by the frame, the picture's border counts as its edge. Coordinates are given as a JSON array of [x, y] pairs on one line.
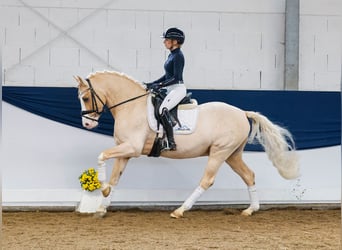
[[107, 88], [92, 103]]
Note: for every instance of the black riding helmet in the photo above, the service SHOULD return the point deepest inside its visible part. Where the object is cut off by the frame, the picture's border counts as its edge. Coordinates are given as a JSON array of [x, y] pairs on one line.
[[176, 34]]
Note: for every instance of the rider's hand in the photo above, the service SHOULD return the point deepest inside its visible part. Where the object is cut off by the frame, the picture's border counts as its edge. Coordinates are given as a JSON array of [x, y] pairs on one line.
[[149, 85], [153, 86]]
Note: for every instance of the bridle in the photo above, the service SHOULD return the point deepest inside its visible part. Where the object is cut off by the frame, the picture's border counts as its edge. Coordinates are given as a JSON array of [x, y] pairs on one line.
[[95, 108]]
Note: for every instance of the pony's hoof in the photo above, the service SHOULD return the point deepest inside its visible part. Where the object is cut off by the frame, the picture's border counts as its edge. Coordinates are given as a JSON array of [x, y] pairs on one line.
[[249, 211], [100, 212], [106, 191], [178, 213]]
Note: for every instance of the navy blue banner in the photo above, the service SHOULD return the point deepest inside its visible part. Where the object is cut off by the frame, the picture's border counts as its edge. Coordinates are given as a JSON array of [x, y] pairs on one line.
[[314, 118]]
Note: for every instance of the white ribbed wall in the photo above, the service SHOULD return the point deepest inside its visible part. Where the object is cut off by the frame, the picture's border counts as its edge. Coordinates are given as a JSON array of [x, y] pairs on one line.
[[42, 159], [320, 45], [230, 44]]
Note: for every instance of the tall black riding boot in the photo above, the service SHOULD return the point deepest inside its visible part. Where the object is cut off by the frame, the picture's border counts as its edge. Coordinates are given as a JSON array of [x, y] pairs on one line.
[[167, 124]]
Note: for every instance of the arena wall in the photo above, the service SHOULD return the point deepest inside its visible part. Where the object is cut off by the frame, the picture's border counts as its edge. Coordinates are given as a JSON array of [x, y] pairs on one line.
[[42, 159], [230, 44]]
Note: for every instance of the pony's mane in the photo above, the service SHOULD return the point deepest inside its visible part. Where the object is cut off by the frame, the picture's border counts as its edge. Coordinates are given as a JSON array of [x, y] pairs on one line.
[[120, 74]]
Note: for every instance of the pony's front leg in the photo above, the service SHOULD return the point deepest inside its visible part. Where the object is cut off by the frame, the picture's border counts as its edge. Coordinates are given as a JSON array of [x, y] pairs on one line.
[[122, 153], [118, 168], [123, 150]]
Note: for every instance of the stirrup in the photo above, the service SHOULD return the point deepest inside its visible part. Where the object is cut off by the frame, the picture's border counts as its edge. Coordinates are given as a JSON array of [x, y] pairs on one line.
[[171, 146], [166, 146]]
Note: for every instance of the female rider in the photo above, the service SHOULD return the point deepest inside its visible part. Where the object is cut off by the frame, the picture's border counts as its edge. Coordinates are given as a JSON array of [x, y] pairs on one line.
[[171, 81]]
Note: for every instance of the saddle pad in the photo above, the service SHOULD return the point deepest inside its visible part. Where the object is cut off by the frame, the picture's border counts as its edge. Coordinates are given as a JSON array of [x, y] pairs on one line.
[[187, 115]]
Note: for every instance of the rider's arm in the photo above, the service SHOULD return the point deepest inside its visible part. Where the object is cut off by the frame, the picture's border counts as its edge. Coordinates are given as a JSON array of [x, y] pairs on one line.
[[161, 79]]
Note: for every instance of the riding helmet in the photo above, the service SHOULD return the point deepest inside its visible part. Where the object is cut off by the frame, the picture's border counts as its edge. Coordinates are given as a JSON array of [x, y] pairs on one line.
[[176, 34]]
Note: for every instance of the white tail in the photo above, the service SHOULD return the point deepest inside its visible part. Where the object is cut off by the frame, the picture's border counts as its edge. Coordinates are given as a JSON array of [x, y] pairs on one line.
[[274, 140]]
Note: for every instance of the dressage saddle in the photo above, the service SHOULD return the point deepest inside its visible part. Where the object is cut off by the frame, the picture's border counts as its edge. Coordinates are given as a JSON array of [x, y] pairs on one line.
[[157, 98]]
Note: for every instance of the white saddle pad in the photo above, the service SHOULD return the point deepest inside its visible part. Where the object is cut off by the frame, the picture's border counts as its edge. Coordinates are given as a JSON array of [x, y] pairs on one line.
[[187, 115]]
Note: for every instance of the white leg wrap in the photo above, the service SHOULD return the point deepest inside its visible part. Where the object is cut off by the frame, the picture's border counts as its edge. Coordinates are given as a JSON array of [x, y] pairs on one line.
[[100, 160], [102, 173], [106, 200], [253, 196], [193, 198]]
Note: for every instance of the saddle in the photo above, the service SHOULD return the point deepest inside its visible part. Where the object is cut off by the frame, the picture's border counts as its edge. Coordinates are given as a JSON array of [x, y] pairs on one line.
[[157, 98]]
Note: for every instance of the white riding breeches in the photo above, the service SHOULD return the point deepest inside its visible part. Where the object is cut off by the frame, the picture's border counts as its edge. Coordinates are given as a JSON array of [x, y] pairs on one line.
[[175, 93]]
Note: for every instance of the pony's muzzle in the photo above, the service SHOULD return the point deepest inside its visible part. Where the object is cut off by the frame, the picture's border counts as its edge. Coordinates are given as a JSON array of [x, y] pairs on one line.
[[90, 122]]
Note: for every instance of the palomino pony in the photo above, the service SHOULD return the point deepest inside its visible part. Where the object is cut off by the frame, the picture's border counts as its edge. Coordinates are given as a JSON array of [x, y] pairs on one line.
[[221, 134]]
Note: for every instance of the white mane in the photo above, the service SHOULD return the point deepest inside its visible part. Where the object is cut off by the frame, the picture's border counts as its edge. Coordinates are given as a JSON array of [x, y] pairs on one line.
[[121, 74]]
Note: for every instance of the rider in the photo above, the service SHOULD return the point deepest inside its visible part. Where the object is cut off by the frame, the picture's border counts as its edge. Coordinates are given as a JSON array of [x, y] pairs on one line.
[[171, 81]]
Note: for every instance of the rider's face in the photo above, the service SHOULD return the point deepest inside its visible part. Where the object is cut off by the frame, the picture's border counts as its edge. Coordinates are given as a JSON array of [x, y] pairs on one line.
[[170, 44]]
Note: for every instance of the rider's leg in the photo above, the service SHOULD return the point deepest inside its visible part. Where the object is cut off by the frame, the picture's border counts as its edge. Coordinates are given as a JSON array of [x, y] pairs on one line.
[[175, 94], [167, 124]]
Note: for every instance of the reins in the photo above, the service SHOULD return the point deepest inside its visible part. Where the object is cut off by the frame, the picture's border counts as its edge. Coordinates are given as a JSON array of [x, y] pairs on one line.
[[95, 109]]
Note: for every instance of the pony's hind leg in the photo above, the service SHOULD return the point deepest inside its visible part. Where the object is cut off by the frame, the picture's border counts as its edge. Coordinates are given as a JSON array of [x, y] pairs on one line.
[[240, 167], [207, 180]]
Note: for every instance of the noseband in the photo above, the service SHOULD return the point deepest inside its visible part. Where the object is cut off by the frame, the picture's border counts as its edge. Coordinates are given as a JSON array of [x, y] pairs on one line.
[[95, 108]]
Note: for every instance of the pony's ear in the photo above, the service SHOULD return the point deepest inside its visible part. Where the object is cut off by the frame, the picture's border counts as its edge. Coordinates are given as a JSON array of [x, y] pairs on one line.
[[79, 80]]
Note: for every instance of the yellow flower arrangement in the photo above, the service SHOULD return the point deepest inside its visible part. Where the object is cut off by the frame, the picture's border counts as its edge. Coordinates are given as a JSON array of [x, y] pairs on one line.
[[89, 180]]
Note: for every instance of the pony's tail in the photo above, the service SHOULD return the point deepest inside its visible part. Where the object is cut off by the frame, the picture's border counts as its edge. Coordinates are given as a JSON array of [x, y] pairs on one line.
[[277, 142]]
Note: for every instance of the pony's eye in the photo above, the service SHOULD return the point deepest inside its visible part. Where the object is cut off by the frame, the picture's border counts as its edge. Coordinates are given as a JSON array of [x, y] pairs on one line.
[[85, 99]]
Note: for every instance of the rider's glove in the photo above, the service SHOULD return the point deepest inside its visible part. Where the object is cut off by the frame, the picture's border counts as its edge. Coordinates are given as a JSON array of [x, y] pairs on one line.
[[152, 85]]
